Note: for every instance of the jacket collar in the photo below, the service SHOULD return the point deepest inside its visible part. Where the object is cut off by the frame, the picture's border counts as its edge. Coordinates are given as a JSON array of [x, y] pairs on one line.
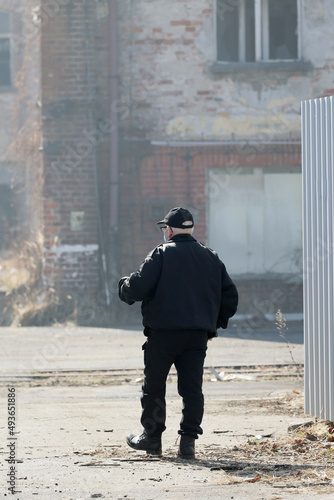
[[182, 237]]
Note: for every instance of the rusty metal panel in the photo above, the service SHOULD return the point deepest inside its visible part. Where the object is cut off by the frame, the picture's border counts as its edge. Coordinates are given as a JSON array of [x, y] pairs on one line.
[[318, 255]]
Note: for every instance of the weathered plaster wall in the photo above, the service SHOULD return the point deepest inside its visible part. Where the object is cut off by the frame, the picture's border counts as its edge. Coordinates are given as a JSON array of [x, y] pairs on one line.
[[19, 100], [167, 49], [20, 127]]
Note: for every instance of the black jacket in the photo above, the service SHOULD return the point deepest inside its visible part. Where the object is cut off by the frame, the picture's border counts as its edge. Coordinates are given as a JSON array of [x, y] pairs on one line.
[[182, 285]]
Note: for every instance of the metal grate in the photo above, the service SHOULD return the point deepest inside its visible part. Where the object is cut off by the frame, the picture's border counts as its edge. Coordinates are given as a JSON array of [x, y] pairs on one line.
[[318, 240]]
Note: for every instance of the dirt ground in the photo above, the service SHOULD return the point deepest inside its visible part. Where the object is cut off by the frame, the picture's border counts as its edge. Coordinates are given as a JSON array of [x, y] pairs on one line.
[[71, 441], [77, 397]]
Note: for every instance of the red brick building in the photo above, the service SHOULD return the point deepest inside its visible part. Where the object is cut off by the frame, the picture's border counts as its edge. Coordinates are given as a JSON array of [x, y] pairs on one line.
[[75, 101], [151, 104]]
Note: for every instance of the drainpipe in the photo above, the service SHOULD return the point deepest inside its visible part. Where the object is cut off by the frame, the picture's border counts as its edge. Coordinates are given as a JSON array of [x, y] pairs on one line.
[[114, 171]]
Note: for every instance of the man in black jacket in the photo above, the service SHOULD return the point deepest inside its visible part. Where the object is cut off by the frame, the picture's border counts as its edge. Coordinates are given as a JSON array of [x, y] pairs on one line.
[[186, 294]]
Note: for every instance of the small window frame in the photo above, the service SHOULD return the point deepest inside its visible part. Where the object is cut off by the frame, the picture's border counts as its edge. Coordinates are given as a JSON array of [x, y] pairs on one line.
[[261, 12]]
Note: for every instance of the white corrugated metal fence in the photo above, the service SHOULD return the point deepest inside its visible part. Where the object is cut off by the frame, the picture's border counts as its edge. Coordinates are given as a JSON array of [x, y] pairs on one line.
[[318, 242]]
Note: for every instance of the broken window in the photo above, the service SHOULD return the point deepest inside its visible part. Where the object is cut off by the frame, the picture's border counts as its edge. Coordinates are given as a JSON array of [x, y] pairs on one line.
[[5, 56], [257, 30]]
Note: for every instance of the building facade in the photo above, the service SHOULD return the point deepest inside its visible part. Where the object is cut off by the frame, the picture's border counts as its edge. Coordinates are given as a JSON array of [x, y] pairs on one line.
[[150, 104], [212, 93]]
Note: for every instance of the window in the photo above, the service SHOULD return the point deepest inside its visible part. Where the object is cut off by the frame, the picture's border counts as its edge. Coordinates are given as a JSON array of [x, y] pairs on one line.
[[257, 30], [5, 63]]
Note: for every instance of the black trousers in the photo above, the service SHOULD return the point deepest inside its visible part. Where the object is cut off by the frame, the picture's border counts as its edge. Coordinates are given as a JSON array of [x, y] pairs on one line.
[[187, 350]]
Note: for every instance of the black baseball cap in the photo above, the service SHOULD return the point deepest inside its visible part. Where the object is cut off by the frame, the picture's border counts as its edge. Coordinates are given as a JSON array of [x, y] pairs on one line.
[[178, 217]]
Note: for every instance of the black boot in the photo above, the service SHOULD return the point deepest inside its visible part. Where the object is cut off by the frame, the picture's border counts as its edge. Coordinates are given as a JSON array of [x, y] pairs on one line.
[[187, 447], [143, 442]]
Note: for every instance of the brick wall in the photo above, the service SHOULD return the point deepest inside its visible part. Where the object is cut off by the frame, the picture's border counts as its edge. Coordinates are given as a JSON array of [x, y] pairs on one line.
[[166, 53], [163, 177], [162, 72], [164, 60], [73, 95], [155, 179], [167, 93]]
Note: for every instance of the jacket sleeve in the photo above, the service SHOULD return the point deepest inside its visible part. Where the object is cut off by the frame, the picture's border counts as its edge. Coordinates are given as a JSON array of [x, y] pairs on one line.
[[229, 299], [141, 284], [123, 291]]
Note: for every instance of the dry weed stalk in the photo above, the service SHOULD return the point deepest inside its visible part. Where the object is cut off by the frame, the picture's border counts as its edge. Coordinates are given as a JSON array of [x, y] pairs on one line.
[[282, 329]]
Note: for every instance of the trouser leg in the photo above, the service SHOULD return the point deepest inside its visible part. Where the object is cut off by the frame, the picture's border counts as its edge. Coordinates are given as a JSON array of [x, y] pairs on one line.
[[158, 362], [189, 367]]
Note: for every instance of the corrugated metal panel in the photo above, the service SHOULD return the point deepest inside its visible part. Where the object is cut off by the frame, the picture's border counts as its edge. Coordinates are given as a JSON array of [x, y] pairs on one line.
[[318, 240]]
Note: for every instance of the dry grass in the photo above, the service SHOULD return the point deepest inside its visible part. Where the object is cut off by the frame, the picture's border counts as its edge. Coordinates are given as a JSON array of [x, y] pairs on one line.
[[13, 275], [21, 266], [20, 277]]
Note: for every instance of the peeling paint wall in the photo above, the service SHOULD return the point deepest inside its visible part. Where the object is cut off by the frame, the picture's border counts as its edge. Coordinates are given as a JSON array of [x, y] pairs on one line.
[[224, 125], [169, 90]]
